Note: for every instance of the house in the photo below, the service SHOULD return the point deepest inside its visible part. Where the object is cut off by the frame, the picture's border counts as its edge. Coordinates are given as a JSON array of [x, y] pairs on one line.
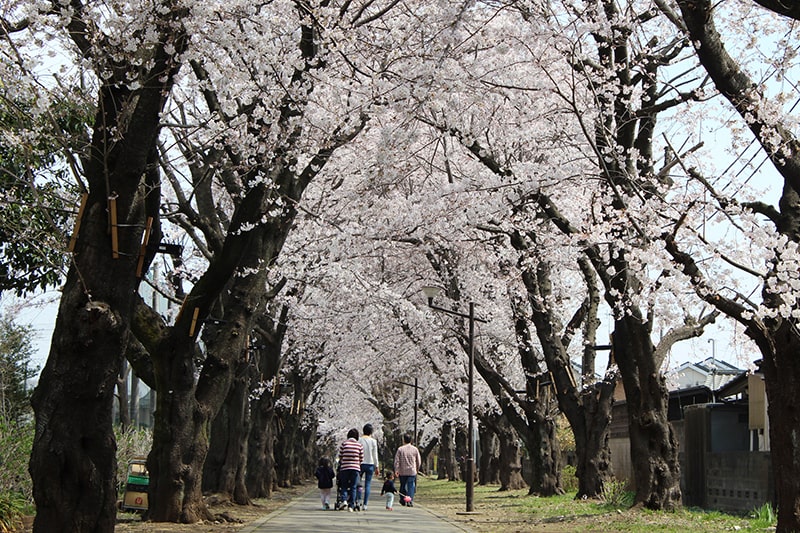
[[722, 434], [712, 373]]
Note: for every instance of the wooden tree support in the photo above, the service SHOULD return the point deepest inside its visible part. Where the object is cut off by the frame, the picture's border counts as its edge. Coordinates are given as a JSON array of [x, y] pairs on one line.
[[180, 311], [112, 212], [194, 321], [74, 239], [143, 248]]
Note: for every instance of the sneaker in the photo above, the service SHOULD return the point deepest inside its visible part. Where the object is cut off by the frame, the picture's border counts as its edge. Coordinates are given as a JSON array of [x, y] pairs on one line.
[[327, 506], [388, 508], [410, 504], [364, 508], [349, 509]]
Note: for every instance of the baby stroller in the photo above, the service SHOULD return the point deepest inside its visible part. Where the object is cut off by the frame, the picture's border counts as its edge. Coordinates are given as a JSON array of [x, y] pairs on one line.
[[360, 494], [341, 498], [341, 501]]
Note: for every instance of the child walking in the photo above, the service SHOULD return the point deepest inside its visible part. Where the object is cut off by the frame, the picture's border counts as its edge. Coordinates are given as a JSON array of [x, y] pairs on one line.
[[324, 474], [389, 490]]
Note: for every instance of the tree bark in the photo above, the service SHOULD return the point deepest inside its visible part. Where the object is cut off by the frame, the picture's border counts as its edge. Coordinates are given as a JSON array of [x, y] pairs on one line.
[[487, 467], [654, 451], [447, 454], [123, 401], [426, 450], [73, 462], [260, 472], [187, 404], [225, 465], [134, 400], [510, 457], [781, 367]]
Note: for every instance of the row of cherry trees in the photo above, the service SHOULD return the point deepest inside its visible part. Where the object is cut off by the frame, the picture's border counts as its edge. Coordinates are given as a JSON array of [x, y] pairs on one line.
[[322, 161]]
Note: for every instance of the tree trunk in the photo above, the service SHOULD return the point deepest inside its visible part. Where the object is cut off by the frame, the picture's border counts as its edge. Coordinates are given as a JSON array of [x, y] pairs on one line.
[[777, 338], [544, 452], [73, 461], [180, 444], [534, 423], [123, 400], [510, 458], [225, 465], [425, 452], [461, 452], [654, 452], [587, 408], [487, 467], [781, 368], [260, 472], [447, 454], [591, 439], [285, 461], [260, 477], [134, 400]]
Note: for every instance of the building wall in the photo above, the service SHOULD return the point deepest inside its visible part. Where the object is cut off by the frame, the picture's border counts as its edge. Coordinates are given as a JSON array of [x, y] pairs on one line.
[[738, 482]]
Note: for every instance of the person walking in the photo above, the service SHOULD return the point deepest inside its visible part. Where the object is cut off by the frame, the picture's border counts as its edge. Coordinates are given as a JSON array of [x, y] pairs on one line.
[[407, 462], [324, 474], [389, 490], [351, 455], [369, 466]]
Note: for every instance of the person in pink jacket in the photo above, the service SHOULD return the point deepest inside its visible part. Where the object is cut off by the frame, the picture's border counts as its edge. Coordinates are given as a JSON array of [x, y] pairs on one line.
[[407, 462]]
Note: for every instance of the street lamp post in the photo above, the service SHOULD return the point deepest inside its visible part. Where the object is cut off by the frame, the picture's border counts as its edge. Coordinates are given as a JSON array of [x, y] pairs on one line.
[[713, 370], [416, 402], [430, 294]]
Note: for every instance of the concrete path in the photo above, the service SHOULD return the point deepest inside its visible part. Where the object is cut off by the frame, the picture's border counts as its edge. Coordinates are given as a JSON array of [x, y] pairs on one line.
[[305, 515]]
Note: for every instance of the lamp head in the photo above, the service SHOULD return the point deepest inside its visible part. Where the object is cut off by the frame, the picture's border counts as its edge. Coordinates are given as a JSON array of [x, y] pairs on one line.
[[431, 293]]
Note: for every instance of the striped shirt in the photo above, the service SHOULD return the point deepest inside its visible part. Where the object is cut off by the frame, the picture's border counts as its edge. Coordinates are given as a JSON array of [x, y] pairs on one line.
[[351, 453]]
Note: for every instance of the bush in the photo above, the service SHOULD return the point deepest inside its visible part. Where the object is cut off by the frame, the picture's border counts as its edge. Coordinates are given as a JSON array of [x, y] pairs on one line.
[[16, 443], [764, 516], [615, 493], [132, 443], [12, 508], [569, 481]]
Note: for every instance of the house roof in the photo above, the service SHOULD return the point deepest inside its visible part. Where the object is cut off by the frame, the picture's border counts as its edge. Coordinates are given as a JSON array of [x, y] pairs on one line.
[[712, 365]]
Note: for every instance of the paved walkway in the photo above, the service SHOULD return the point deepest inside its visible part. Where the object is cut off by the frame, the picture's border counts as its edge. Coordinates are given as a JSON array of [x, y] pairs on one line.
[[305, 515]]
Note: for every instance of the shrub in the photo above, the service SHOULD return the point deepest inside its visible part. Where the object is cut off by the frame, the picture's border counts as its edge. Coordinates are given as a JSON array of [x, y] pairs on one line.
[[16, 443], [131, 444], [569, 481], [615, 493], [764, 516], [12, 507]]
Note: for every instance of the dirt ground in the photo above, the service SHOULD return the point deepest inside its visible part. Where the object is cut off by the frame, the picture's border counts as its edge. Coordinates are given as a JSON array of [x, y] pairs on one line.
[[230, 517]]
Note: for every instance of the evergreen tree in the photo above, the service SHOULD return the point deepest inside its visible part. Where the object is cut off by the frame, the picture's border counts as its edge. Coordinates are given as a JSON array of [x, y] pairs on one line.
[[15, 369]]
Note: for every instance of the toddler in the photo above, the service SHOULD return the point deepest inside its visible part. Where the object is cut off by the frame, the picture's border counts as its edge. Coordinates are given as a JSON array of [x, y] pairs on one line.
[[324, 474], [389, 490]]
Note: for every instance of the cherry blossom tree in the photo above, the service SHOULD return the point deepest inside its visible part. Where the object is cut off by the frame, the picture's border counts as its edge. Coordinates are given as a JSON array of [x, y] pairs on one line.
[[127, 60], [771, 262]]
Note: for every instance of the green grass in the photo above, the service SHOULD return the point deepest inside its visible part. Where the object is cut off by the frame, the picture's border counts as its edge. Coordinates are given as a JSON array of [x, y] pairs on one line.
[[500, 510]]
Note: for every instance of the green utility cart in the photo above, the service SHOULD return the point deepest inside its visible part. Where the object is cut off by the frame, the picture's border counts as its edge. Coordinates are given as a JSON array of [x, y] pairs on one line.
[[135, 498]]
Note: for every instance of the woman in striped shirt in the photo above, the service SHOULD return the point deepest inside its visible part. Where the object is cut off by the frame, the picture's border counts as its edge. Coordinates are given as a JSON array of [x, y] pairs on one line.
[[351, 454]]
